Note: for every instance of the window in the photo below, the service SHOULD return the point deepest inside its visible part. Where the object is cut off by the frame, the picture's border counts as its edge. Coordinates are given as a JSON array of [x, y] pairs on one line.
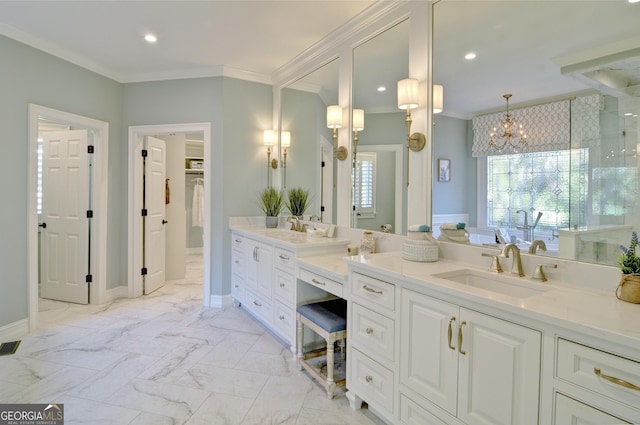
[[547, 182], [365, 185]]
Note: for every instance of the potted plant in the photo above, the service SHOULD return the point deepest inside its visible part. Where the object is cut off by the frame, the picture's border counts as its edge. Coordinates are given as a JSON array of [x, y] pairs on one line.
[[297, 201], [271, 203], [629, 262]]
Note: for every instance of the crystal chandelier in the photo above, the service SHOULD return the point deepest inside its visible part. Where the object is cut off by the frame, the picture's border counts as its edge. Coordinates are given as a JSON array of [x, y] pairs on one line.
[[509, 131]]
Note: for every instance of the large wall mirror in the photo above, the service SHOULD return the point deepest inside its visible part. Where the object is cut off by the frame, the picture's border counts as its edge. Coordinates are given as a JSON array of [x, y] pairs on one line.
[[379, 193], [573, 70], [303, 108]]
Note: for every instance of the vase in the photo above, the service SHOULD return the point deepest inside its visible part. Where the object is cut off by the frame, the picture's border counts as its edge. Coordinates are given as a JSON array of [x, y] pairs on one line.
[[629, 288], [271, 222]]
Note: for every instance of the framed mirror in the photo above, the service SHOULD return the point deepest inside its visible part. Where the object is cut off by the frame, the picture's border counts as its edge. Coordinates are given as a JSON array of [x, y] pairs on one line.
[[379, 193], [576, 190], [303, 114]]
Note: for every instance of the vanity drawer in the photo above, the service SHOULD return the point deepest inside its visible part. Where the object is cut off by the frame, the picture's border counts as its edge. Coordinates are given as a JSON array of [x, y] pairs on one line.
[[284, 286], [618, 379], [237, 242], [286, 260], [329, 285], [570, 411], [237, 288], [371, 381], [238, 263], [372, 331], [411, 413], [258, 305], [373, 291], [284, 320]]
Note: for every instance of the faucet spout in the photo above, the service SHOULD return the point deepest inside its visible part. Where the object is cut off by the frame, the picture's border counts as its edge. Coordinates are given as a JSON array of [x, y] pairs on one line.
[[516, 262], [537, 244], [295, 223]]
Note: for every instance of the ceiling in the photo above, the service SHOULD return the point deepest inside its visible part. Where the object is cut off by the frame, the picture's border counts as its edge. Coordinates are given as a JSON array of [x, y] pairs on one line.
[[521, 45], [195, 38]]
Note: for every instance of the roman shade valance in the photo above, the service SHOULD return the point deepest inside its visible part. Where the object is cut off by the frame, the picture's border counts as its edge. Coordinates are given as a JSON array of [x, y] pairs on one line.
[[548, 126]]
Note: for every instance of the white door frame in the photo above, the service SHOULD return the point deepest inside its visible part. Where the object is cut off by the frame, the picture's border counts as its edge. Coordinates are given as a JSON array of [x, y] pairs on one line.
[[136, 142], [99, 192]]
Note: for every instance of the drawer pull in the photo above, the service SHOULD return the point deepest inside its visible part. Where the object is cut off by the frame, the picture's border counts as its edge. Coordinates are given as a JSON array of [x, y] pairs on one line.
[[615, 380], [373, 291], [369, 331], [317, 282], [282, 285], [460, 338], [237, 262], [284, 257], [368, 378], [238, 241], [450, 333], [257, 303], [281, 317], [237, 286]]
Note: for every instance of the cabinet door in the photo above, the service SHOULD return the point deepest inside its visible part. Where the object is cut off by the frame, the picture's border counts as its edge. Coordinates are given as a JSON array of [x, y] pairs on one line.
[[251, 257], [499, 366], [259, 259], [570, 411], [429, 357]]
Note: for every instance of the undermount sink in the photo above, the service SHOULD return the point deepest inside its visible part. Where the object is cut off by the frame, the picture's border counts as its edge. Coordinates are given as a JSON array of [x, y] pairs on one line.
[[511, 286]]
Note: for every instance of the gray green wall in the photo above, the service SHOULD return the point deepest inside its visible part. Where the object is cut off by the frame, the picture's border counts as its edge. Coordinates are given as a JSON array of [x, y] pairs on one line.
[[238, 110]]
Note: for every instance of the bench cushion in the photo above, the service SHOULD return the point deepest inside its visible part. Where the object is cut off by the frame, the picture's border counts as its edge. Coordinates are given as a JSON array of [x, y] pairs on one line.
[[329, 315]]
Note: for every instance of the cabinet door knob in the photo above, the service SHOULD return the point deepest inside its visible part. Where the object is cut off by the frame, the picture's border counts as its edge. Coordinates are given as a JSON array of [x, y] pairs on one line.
[[450, 333], [369, 331], [282, 285], [460, 338], [368, 378], [281, 317]]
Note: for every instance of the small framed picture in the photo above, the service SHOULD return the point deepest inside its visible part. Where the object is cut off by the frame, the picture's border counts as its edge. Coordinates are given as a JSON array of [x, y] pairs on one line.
[[444, 170]]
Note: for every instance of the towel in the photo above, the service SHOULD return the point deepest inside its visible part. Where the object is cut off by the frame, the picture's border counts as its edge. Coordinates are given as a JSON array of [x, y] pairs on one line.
[[197, 206], [419, 228], [449, 226]]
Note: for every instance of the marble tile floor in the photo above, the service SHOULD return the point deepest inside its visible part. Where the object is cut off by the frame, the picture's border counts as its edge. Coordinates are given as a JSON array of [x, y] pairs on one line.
[[165, 359]]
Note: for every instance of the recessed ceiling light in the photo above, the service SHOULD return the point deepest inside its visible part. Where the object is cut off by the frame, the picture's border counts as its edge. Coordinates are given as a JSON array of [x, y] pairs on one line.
[[151, 38], [469, 56], [382, 88]]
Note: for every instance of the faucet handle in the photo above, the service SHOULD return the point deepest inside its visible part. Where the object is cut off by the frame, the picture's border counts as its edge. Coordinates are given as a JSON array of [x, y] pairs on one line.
[[495, 263], [538, 273]]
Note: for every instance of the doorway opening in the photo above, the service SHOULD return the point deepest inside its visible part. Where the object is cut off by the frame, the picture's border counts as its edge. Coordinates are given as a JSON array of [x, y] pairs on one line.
[[84, 251], [182, 227]]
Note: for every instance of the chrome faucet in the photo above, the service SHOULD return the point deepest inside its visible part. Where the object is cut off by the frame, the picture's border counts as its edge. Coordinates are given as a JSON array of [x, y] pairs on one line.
[[295, 223], [537, 244], [516, 262]]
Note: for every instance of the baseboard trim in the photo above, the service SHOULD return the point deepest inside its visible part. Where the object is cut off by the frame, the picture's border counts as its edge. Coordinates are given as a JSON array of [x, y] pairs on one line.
[[220, 301], [15, 330], [115, 293]]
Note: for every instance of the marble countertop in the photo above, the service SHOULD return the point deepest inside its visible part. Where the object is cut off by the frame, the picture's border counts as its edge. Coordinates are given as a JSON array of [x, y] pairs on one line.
[[598, 314], [331, 266], [289, 238]]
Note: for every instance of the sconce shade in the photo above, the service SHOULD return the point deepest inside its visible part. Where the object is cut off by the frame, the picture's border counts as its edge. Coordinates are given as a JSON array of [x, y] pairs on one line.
[[334, 116], [358, 119], [408, 93], [438, 98], [285, 139], [269, 138]]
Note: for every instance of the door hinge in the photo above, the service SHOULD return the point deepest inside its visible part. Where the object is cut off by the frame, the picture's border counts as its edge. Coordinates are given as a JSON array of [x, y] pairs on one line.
[[322, 163], [89, 278], [144, 153], [90, 149], [143, 272], [322, 208], [89, 213], [144, 212], [353, 208]]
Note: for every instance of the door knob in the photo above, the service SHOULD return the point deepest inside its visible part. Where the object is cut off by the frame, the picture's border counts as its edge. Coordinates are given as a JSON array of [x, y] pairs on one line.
[[164, 221], [43, 225]]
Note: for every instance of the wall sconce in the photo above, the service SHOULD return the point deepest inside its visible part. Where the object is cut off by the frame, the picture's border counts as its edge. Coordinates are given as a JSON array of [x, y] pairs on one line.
[[334, 121], [285, 142], [269, 141], [438, 98], [408, 99], [358, 125]]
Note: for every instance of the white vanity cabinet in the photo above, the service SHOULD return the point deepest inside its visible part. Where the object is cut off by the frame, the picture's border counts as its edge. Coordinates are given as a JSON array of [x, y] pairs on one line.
[[238, 268], [284, 293], [371, 344], [478, 368], [594, 383]]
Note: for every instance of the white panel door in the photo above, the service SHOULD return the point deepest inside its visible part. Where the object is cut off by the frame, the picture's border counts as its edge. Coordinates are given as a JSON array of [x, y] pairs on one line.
[[155, 221], [64, 256], [499, 367], [429, 357]]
